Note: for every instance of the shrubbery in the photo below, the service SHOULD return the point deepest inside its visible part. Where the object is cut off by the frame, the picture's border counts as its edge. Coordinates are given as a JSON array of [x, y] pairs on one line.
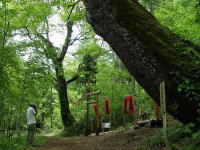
[[19, 143], [179, 137]]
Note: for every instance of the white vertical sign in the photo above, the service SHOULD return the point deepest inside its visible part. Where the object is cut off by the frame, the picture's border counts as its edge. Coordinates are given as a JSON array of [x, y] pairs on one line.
[[163, 104]]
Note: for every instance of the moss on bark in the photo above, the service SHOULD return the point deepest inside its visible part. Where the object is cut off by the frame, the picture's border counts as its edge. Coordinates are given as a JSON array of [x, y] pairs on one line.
[[161, 41], [150, 51]]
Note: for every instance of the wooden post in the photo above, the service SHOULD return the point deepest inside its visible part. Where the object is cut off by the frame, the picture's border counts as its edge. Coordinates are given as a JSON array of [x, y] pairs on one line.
[[135, 117], [163, 104], [124, 119], [163, 107], [87, 117], [94, 93], [97, 129], [112, 102], [135, 113], [51, 116], [101, 121]]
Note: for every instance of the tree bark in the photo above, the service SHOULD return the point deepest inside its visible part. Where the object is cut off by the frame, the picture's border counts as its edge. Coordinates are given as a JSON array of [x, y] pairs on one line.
[[67, 118], [151, 52]]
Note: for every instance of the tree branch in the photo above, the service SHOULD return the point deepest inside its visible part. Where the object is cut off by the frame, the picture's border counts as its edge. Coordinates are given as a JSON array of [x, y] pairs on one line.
[[78, 37], [67, 41], [69, 34], [49, 46], [92, 60], [81, 64], [6, 25], [28, 33], [72, 10], [47, 30], [46, 41], [72, 79]]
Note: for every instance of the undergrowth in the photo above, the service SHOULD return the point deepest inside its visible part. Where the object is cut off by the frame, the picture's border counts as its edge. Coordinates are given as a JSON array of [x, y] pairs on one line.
[[179, 137], [19, 143]]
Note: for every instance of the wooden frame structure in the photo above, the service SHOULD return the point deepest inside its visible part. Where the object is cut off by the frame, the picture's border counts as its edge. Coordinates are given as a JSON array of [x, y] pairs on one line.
[[96, 94]]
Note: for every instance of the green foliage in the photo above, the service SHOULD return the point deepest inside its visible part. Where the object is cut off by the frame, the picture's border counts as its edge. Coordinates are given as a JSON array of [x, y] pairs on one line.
[[187, 86], [26, 73], [179, 132], [179, 137], [78, 129], [190, 147], [180, 16], [19, 143], [77, 14], [88, 69], [158, 140]]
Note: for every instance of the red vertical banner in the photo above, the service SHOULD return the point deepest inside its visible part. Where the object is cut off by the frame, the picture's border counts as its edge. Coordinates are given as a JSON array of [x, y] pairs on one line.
[[107, 105], [125, 105], [131, 104], [96, 111]]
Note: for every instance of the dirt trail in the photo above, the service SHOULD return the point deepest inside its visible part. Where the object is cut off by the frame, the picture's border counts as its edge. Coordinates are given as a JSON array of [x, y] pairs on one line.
[[116, 140]]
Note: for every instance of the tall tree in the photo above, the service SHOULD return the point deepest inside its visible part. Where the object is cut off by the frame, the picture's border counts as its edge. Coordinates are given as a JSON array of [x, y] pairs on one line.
[[61, 83], [151, 52], [39, 27], [57, 57]]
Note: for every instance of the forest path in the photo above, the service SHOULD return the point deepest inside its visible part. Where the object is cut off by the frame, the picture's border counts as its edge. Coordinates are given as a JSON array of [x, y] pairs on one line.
[[115, 140]]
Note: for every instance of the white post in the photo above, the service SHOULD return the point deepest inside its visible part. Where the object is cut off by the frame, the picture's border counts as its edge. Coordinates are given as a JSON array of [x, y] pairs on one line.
[[163, 107]]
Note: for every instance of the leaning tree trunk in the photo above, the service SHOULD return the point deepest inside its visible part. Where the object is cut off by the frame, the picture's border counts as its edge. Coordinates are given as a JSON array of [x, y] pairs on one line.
[[67, 118], [151, 52]]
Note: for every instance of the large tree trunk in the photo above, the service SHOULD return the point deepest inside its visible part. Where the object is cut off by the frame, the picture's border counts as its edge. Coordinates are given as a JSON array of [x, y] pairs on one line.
[[57, 59], [67, 118], [148, 50]]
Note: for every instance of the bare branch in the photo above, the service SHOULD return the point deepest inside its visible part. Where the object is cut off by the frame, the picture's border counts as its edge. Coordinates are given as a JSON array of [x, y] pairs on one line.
[[78, 37], [28, 33]]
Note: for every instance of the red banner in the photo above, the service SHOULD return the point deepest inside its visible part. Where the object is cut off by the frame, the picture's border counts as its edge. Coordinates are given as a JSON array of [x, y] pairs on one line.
[[131, 104], [125, 105], [107, 104], [96, 111]]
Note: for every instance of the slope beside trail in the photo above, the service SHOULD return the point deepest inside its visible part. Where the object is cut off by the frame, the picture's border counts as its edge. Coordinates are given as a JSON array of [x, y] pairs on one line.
[[115, 140]]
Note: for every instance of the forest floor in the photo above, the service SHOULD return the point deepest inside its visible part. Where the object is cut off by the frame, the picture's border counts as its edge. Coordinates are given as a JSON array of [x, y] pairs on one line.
[[114, 140]]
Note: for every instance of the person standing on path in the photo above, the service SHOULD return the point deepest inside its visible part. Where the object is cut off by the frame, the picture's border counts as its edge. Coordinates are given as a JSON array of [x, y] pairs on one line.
[[31, 124]]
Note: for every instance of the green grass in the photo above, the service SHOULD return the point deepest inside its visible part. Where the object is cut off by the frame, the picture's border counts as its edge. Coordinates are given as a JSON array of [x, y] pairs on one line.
[[19, 143]]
